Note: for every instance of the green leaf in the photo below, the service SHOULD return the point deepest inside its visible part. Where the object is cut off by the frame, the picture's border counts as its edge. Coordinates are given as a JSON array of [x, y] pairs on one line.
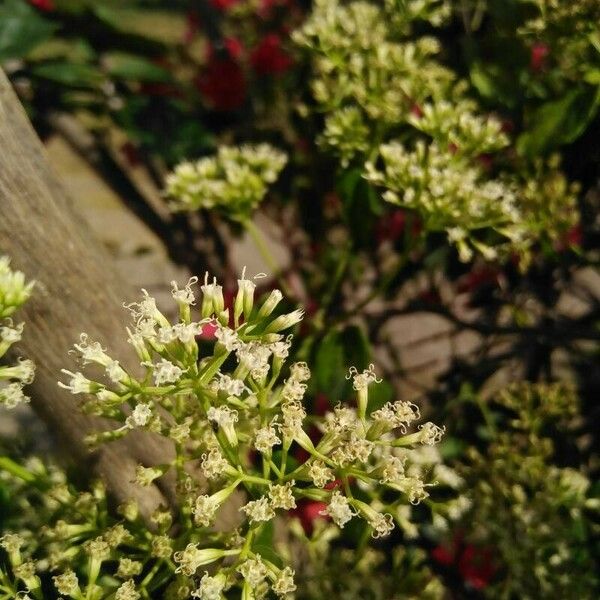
[[21, 29], [268, 553], [159, 26], [379, 394], [131, 67], [559, 122], [330, 367], [357, 351], [491, 82], [360, 204], [69, 74], [263, 545]]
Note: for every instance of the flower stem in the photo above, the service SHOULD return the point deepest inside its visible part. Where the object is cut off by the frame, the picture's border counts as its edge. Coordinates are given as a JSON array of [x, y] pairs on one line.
[[267, 256]]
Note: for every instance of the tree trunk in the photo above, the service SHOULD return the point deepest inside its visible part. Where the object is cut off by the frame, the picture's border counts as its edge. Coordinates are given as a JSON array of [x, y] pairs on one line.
[[77, 290]]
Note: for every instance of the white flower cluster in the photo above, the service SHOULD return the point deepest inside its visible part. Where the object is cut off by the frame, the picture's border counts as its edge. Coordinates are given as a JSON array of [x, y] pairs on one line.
[[447, 192], [235, 179], [14, 291], [394, 111], [365, 79], [236, 412]]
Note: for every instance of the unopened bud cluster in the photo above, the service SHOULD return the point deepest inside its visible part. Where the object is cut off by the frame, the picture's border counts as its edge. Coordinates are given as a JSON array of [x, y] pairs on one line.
[[234, 181], [14, 291]]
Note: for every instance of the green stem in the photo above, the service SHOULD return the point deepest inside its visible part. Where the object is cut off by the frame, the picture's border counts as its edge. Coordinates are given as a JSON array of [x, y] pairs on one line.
[[151, 574], [15, 469], [267, 256]]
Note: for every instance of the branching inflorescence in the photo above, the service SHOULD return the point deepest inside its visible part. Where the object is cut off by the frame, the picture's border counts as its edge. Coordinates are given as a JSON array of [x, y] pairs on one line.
[[235, 413], [393, 111]]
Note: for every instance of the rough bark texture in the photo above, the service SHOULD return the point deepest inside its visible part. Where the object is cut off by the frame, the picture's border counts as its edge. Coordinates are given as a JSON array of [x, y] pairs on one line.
[[77, 290]]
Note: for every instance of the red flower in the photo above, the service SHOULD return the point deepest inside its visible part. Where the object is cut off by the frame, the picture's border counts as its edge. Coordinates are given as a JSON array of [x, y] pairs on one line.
[[478, 278], [192, 26], [539, 52], [267, 8], [223, 4], [223, 83], [486, 161], [390, 226], [575, 236], [208, 331], [131, 154], [321, 405], [430, 296], [308, 511], [474, 563], [45, 5], [269, 58], [416, 111], [443, 555], [476, 566]]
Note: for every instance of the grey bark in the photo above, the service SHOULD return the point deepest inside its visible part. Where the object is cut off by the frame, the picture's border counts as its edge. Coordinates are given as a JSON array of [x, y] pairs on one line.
[[77, 290]]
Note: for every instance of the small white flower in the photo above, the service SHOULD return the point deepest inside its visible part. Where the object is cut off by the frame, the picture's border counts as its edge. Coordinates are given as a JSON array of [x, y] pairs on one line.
[[258, 510], [213, 464], [115, 372], [320, 474], [66, 583], [127, 591], [393, 469], [284, 584], [186, 295], [210, 588], [212, 298], [270, 303], [266, 438], [341, 420], [253, 355], [285, 321], [166, 372], [24, 371], [253, 571], [281, 349], [146, 310], [140, 416], [339, 509], [192, 557], [11, 335], [430, 433], [293, 390], [79, 384], [205, 509], [144, 476], [359, 449], [92, 352], [225, 418], [413, 487], [361, 381], [300, 371], [228, 337], [281, 496], [11, 542], [232, 387], [293, 414], [382, 524]]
